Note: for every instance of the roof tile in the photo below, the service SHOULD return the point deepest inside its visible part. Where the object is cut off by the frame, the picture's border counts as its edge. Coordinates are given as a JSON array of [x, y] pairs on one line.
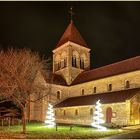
[[105, 98], [73, 35], [125, 66]]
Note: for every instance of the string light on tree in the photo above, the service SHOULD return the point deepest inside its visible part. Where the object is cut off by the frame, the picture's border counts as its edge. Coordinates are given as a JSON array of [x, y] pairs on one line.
[[98, 115], [50, 118]]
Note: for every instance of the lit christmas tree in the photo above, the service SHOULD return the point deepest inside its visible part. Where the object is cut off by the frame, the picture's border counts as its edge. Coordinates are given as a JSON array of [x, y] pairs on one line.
[[50, 118], [97, 119]]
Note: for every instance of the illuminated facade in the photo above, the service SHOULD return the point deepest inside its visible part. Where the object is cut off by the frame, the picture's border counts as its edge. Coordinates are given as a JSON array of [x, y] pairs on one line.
[[76, 88], [71, 55]]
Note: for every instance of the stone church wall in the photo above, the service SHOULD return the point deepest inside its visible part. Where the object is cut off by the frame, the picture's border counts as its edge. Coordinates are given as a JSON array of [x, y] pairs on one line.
[[85, 116], [118, 83], [135, 110], [40, 106]]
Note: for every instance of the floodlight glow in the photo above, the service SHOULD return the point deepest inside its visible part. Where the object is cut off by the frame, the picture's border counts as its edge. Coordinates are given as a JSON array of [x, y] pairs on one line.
[[50, 118], [97, 119]]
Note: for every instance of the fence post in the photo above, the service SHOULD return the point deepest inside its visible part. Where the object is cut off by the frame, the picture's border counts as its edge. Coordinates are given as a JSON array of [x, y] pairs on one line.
[[71, 127], [56, 127]]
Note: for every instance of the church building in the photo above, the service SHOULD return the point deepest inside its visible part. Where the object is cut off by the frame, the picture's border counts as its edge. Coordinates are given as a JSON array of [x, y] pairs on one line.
[[76, 88]]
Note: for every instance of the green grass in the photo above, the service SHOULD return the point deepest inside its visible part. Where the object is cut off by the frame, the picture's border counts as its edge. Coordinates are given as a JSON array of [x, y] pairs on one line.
[[40, 131]]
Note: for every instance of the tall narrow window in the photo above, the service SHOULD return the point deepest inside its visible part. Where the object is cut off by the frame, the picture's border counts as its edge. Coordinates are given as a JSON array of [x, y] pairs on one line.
[[76, 112], [82, 92], [127, 84], [74, 61], [94, 90], [82, 63], [91, 111], [109, 87], [58, 95]]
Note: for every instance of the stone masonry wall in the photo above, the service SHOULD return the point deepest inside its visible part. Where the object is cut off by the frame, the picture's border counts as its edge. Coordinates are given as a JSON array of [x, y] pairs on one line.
[[135, 109], [67, 114], [66, 51], [118, 83]]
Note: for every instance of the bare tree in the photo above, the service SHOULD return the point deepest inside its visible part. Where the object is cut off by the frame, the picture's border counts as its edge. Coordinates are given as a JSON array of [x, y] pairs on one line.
[[18, 69]]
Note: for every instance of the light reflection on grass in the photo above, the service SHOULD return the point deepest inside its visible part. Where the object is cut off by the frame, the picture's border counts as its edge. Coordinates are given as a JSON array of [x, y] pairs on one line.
[[40, 131]]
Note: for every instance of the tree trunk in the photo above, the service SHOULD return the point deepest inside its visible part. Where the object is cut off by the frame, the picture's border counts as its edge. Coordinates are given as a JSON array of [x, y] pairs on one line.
[[2, 122], [9, 123], [24, 120]]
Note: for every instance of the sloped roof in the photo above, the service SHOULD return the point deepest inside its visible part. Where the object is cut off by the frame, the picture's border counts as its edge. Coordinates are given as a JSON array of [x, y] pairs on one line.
[[121, 67], [50, 77], [73, 35], [59, 80], [105, 98]]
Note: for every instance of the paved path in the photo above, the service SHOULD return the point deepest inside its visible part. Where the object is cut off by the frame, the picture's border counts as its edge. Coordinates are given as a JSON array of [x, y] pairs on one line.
[[135, 134], [134, 127]]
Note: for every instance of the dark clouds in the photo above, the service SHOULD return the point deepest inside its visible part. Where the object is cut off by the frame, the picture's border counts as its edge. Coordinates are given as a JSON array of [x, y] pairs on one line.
[[111, 29]]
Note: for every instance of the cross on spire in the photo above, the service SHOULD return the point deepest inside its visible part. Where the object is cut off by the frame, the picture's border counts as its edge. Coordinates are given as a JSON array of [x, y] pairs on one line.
[[71, 13]]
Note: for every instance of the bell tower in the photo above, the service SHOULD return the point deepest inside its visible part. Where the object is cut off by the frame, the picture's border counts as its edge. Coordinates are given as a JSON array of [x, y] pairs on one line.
[[71, 55]]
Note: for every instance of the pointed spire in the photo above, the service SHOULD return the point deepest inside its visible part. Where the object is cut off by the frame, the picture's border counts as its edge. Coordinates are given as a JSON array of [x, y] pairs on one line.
[[73, 35]]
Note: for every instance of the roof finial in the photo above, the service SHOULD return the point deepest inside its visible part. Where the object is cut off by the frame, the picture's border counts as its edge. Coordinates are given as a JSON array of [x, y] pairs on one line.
[[71, 13]]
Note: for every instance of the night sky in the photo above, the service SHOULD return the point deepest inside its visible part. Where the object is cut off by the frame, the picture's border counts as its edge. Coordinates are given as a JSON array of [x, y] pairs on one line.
[[111, 29]]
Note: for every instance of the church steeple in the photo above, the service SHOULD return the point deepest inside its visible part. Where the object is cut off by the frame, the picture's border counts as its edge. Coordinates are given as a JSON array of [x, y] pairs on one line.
[[71, 55], [72, 34]]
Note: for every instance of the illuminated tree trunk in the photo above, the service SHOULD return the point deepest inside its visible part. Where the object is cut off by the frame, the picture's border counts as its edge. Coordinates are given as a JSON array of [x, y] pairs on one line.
[[24, 120]]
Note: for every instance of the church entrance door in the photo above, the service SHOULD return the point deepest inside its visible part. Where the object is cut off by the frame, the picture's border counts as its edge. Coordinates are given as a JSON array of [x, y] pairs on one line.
[[108, 115]]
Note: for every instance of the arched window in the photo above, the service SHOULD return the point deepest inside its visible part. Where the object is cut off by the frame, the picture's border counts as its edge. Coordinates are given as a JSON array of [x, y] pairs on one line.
[[127, 84], [91, 111], [64, 112], [82, 63], [58, 95], [63, 59], [109, 87], [76, 112], [74, 61], [94, 90], [82, 92]]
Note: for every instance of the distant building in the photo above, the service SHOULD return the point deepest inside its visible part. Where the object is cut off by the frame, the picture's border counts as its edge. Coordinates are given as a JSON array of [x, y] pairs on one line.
[[76, 88]]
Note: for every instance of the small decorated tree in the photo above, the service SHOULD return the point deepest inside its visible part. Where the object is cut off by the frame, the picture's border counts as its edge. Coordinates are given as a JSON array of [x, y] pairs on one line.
[[50, 118], [97, 119]]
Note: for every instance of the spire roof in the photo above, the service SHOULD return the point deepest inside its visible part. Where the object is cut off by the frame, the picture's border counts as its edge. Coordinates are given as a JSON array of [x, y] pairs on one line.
[[73, 35]]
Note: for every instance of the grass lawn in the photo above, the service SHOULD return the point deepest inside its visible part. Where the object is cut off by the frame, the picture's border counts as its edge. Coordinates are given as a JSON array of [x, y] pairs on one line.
[[40, 131]]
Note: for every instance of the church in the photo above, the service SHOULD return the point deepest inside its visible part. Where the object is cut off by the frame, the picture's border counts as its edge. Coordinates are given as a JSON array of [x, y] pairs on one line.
[[76, 88]]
